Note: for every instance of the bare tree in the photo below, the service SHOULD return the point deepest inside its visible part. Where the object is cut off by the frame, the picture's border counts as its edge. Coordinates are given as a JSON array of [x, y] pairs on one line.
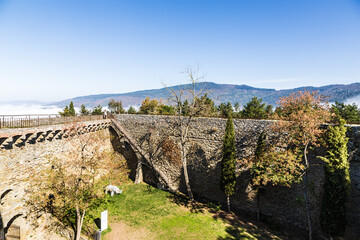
[[187, 96], [69, 185]]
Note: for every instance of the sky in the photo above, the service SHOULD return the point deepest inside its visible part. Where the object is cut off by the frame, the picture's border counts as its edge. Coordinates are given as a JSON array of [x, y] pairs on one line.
[[59, 49]]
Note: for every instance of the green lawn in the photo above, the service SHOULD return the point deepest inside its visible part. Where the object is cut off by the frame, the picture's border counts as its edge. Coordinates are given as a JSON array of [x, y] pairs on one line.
[[167, 216]]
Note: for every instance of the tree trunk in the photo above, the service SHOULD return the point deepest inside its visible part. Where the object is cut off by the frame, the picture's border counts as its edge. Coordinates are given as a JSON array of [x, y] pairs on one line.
[[258, 205], [305, 194], [79, 222], [307, 206], [78, 228], [186, 176], [228, 202], [139, 172]]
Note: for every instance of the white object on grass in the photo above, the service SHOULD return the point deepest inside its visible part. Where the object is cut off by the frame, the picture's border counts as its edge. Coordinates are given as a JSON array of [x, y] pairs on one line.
[[104, 220], [113, 189]]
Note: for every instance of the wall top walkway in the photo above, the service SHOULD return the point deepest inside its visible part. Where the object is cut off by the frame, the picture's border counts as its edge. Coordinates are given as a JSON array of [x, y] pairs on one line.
[[26, 121]]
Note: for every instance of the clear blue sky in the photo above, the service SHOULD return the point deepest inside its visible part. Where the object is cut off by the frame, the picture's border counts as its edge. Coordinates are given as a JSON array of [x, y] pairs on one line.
[[58, 49]]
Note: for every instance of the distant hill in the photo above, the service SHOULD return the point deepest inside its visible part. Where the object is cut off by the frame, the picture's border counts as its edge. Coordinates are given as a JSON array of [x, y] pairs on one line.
[[220, 93]]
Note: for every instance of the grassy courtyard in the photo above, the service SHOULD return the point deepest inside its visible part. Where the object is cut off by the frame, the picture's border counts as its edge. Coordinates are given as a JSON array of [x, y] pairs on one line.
[[144, 212]]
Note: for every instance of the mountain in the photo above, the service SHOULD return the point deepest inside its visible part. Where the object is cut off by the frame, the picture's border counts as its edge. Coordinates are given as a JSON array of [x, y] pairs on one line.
[[220, 93]]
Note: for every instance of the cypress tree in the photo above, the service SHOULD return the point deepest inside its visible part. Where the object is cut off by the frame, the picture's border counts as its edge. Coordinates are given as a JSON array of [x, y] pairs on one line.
[[258, 168], [228, 177], [71, 109], [337, 181]]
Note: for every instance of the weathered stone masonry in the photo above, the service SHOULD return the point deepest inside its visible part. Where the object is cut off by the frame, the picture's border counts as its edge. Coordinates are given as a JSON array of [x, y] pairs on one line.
[[21, 157], [206, 134]]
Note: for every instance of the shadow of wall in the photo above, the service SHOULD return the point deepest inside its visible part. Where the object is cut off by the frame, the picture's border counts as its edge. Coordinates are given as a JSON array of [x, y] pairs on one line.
[[124, 148]]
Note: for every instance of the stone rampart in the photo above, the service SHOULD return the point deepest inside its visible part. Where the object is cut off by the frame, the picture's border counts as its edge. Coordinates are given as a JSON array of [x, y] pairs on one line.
[[284, 204], [20, 161]]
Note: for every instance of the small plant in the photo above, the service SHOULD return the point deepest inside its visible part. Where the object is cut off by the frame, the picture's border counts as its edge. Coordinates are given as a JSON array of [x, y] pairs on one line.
[[213, 130]]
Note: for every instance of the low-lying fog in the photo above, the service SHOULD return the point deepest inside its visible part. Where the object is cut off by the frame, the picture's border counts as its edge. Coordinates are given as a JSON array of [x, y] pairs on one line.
[[23, 109]]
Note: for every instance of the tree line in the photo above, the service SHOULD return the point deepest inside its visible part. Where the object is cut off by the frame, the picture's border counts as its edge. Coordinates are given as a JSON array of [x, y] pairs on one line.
[[254, 109]]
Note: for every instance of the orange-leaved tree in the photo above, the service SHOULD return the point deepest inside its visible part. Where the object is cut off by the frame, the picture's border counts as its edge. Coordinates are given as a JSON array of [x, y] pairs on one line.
[[300, 118]]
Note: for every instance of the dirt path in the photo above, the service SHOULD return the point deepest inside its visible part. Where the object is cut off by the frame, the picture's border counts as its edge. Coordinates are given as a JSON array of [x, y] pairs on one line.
[[122, 231]]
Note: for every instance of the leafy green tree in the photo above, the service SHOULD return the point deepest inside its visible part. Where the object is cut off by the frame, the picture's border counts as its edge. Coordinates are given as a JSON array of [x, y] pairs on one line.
[[255, 108], [166, 110], [116, 106], [225, 109], [131, 110], [274, 167], [97, 110], [337, 181], [350, 113], [83, 110], [228, 177]]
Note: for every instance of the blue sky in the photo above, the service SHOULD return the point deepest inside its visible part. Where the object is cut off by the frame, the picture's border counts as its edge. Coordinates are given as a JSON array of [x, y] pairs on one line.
[[54, 50]]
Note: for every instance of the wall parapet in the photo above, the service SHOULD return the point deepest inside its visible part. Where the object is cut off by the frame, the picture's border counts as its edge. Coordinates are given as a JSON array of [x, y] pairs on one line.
[[18, 137]]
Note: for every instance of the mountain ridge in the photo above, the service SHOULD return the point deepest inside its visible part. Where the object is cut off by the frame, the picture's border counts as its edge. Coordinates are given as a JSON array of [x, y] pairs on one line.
[[220, 92]]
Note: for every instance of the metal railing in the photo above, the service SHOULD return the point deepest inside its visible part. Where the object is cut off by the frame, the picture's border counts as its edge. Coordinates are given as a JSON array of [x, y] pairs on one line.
[[24, 121]]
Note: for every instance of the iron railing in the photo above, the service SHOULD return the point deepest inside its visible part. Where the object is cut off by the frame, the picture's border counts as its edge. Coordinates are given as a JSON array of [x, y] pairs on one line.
[[24, 121]]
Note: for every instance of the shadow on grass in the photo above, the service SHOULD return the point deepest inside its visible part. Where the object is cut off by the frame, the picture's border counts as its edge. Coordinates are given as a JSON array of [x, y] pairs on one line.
[[239, 229], [182, 200], [236, 229]]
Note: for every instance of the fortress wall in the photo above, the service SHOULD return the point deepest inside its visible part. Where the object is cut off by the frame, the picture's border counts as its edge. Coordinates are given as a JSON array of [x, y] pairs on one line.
[[206, 134], [17, 165], [284, 204]]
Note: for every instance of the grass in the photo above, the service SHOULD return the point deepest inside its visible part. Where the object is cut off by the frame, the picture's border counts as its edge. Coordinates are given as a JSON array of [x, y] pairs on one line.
[[169, 216]]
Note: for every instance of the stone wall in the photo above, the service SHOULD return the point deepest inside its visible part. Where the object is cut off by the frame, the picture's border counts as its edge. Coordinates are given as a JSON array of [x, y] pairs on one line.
[[17, 165], [284, 204], [206, 134]]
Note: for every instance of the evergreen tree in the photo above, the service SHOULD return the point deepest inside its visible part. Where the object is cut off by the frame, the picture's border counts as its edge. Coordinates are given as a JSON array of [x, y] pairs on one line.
[[68, 110], [237, 107], [83, 110], [258, 169], [71, 109], [337, 181], [185, 108], [204, 106], [254, 109], [350, 113], [225, 109], [65, 112], [97, 110], [228, 177]]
